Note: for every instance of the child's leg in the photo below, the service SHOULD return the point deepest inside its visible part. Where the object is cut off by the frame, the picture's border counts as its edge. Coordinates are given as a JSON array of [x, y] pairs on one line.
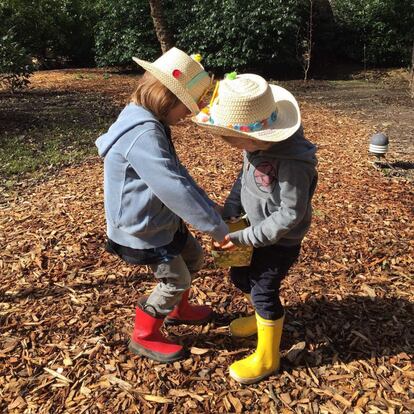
[[267, 274], [270, 267], [193, 254], [183, 312], [147, 338], [246, 325], [174, 278], [240, 278]]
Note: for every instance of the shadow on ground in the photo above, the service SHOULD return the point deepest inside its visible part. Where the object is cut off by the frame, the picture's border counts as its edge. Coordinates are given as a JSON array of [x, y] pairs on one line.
[[49, 109]]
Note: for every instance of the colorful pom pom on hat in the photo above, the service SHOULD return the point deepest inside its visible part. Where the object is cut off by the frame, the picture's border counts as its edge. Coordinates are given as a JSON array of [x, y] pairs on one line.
[[197, 57], [231, 75]]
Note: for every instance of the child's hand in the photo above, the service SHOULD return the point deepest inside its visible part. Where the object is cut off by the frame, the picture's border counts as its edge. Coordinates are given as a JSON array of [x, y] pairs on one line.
[[225, 244]]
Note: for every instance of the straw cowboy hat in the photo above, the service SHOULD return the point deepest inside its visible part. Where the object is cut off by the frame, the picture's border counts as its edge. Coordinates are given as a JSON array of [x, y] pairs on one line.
[[247, 106], [183, 75]]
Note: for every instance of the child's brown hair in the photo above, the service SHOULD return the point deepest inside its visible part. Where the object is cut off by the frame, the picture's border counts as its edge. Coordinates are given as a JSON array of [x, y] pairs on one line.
[[154, 96]]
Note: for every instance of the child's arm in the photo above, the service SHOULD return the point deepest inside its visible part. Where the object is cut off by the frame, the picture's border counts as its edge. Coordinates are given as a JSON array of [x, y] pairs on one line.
[[186, 174], [295, 186], [150, 156], [233, 206]]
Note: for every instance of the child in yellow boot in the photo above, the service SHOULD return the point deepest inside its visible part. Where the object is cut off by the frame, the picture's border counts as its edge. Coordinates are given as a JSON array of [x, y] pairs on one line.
[[274, 189]]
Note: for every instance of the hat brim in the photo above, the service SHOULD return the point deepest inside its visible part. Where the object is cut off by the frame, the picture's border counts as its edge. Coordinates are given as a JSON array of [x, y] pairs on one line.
[[171, 83], [287, 123]]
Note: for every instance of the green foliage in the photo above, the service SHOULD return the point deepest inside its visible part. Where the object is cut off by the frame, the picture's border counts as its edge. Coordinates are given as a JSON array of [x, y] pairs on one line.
[[229, 34], [54, 31], [15, 65], [267, 36], [384, 27], [239, 34], [124, 29]]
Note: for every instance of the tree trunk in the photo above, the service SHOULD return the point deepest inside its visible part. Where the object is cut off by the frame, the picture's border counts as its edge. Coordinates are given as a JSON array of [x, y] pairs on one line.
[[412, 73], [307, 55], [160, 25]]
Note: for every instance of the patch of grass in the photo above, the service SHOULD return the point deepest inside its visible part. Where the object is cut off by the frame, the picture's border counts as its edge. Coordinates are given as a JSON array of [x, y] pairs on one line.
[[348, 83], [39, 148], [85, 76], [45, 130]]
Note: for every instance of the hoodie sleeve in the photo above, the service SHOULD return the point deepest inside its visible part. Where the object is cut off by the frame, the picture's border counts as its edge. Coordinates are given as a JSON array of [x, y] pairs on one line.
[[294, 181], [151, 156], [233, 206]]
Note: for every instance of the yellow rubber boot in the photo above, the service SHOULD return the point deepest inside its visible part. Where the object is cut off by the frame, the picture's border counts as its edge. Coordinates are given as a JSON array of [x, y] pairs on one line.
[[244, 326], [266, 359]]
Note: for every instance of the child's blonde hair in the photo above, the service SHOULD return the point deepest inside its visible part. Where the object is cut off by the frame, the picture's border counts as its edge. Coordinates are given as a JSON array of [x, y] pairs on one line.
[[154, 96]]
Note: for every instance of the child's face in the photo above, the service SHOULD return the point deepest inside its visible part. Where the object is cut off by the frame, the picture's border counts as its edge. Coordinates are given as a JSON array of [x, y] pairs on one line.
[[177, 113], [247, 144]]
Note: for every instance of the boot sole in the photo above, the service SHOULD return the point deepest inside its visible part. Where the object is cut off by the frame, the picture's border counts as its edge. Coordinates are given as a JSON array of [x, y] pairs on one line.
[[156, 356], [252, 380], [170, 321]]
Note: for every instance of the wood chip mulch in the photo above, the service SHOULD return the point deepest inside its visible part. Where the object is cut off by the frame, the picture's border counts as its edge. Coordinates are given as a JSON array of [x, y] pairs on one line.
[[67, 306]]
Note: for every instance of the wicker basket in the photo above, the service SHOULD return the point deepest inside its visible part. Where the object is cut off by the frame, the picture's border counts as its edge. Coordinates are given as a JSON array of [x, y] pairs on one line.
[[240, 256]]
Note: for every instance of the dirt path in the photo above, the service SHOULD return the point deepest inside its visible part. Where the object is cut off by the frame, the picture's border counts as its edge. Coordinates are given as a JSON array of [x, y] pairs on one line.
[[381, 101]]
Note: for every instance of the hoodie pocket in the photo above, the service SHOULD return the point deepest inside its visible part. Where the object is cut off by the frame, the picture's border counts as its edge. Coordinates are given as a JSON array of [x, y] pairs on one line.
[[160, 216], [132, 212]]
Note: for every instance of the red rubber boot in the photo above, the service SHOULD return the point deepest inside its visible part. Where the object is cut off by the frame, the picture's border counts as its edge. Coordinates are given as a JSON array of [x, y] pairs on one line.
[[185, 313], [147, 340]]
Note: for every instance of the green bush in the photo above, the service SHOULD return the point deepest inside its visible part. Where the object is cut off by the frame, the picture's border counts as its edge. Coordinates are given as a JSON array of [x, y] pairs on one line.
[[384, 28], [266, 36], [56, 32], [15, 64], [242, 35], [124, 29], [229, 34]]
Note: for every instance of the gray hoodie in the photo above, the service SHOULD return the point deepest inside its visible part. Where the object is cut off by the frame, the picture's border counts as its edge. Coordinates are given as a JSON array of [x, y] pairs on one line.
[[275, 189], [146, 188]]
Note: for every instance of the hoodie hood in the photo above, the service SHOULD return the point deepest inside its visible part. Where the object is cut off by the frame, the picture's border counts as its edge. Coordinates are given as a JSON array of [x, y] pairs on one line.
[[131, 116], [297, 147]]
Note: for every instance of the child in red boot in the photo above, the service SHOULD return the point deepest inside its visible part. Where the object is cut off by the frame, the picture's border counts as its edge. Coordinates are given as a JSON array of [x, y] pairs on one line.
[[149, 194], [274, 189]]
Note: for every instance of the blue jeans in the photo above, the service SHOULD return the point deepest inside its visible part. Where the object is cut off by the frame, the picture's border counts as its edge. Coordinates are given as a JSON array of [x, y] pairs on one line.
[[263, 277]]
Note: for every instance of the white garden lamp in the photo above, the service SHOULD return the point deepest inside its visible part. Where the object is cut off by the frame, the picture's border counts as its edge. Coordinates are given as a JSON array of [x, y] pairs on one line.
[[378, 145]]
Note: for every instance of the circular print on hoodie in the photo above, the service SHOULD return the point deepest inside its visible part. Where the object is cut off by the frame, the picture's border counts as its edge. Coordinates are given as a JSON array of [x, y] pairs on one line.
[[265, 176]]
